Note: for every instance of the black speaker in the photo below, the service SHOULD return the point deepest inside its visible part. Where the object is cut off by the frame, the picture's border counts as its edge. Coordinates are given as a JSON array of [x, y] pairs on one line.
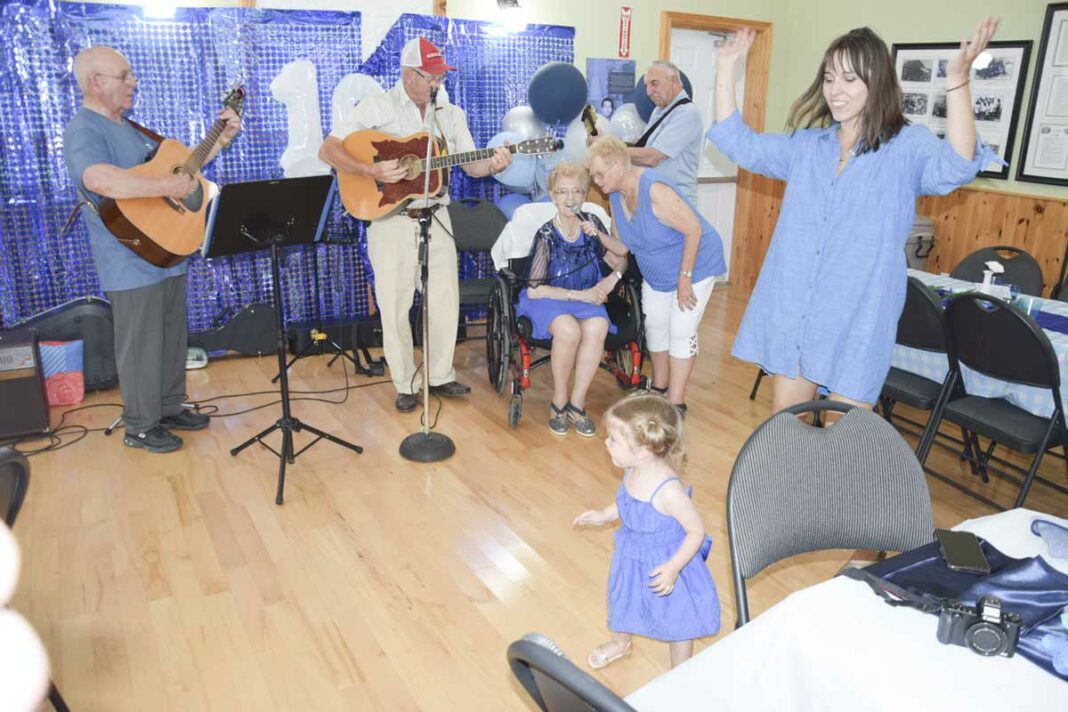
[[22, 388]]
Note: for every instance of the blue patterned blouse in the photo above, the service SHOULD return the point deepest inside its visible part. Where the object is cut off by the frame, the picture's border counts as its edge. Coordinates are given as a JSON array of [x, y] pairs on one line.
[[828, 298]]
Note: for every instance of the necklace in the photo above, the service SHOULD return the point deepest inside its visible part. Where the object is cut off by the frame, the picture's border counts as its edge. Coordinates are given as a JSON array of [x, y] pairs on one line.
[[563, 231]]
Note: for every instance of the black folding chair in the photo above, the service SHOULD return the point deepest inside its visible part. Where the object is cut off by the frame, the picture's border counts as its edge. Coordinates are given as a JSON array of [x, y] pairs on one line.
[[921, 326], [555, 683], [796, 488], [1021, 268], [992, 338], [476, 225]]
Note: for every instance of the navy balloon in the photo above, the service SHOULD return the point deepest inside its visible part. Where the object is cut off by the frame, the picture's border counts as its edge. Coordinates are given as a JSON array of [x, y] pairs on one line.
[[645, 105], [557, 92]]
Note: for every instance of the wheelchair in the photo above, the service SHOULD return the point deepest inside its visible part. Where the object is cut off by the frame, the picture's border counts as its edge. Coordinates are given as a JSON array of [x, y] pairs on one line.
[[510, 348]]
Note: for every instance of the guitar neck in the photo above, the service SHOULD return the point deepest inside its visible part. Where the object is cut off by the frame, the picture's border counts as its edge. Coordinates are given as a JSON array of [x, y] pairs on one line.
[[459, 159], [203, 150]]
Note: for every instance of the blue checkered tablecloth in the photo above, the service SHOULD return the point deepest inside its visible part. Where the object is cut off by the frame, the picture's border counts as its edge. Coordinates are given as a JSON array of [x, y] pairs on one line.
[[935, 366]]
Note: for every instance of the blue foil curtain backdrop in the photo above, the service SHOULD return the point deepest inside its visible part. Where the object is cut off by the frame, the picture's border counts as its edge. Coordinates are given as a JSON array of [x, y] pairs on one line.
[[184, 65]]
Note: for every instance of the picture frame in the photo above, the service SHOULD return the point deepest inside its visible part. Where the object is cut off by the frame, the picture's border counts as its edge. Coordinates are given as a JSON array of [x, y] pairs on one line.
[[1044, 151], [996, 90]]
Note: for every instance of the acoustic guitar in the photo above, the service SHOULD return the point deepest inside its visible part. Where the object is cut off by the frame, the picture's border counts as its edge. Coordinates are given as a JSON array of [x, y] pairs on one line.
[[365, 198], [164, 230]]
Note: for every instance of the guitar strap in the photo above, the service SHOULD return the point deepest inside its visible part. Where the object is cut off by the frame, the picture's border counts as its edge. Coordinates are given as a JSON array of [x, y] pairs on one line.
[[640, 143], [149, 134]]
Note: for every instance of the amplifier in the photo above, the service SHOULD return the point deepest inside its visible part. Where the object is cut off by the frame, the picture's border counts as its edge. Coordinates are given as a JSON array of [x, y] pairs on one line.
[[353, 334], [23, 403]]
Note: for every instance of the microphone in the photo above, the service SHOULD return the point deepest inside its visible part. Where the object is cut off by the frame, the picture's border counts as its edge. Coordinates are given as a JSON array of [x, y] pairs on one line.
[[576, 208], [433, 95], [545, 642]]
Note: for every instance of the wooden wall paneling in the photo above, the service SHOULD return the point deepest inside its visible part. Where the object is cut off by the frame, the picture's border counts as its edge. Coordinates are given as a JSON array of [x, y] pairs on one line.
[[970, 218]]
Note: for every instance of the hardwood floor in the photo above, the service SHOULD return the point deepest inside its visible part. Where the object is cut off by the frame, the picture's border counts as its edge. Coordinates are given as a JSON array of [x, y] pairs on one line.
[[174, 582]]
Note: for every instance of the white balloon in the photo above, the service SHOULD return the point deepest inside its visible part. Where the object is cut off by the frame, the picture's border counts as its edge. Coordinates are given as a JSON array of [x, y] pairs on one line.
[[350, 91], [575, 138], [297, 88], [521, 120], [626, 124], [545, 166]]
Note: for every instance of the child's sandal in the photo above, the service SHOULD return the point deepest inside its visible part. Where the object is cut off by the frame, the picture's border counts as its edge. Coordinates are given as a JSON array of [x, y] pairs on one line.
[[599, 658]]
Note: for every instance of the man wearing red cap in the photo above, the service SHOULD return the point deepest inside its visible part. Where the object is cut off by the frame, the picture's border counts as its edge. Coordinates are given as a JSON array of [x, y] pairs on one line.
[[392, 241]]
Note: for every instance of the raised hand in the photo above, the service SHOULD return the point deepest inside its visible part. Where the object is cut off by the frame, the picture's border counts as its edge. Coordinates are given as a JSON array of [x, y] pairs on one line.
[[736, 47], [960, 65]]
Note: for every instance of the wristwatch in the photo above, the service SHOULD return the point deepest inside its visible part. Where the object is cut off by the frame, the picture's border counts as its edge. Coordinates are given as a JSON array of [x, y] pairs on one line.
[[686, 273]]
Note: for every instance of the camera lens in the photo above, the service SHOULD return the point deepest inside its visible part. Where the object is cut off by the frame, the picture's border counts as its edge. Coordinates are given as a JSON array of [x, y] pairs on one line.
[[986, 639]]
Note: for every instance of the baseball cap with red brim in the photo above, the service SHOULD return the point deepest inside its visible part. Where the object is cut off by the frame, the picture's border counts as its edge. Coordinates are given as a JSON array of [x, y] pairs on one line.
[[421, 54]]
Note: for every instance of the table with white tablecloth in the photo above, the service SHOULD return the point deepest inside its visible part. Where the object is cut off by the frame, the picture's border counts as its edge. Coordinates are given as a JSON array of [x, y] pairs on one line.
[[838, 646], [935, 366]]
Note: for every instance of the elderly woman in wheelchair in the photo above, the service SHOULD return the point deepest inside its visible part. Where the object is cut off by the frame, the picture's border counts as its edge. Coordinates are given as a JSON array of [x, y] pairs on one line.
[[568, 280]]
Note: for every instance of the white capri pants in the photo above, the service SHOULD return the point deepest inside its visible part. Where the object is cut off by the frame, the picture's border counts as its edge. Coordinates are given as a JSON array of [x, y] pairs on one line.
[[668, 328]]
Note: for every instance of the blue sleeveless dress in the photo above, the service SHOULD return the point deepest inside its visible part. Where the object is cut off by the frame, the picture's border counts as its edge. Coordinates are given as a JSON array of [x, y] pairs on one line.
[[571, 265], [645, 540], [658, 247]]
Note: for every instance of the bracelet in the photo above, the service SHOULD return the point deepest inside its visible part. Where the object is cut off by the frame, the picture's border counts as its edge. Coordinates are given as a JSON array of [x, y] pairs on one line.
[[962, 84], [686, 273]]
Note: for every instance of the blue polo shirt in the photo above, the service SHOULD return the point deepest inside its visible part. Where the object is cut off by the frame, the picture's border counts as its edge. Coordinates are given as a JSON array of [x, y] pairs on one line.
[[680, 139], [92, 138]]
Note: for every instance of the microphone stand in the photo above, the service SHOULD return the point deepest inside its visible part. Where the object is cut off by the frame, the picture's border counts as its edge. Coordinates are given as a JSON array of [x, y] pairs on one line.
[[427, 446]]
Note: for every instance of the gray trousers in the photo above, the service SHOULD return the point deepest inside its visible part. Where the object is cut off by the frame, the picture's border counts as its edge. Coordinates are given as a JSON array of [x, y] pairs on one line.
[[150, 343]]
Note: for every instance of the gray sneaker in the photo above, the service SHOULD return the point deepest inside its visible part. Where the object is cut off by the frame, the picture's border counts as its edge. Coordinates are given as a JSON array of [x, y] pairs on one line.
[[583, 425], [558, 422], [156, 439]]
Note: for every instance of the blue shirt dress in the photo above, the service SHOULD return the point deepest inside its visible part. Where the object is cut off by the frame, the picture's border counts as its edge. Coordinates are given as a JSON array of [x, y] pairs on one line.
[[556, 262], [830, 292], [646, 540]]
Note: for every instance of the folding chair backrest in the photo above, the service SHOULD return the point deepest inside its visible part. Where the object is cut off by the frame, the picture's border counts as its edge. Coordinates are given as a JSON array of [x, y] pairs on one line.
[[795, 488], [1021, 268], [989, 336], [476, 224], [923, 323], [556, 684], [14, 480]]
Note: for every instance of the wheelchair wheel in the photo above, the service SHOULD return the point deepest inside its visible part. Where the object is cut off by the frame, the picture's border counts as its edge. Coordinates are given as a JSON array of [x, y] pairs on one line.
[[515, 410], [498, 339]]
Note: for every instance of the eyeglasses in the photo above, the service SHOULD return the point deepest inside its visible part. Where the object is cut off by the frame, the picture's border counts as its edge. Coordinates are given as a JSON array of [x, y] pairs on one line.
[[564, 192], [127, 76], [431, 79]]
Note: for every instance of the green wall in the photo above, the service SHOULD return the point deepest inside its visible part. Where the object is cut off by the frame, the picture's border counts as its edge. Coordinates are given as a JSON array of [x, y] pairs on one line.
[[800, 33]]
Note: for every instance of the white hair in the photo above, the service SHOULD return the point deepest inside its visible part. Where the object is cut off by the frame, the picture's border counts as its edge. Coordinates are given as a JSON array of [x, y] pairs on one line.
[[672, 70]]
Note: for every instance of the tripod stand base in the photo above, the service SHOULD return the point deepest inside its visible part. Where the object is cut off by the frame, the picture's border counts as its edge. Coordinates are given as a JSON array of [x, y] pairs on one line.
[[427, 447]]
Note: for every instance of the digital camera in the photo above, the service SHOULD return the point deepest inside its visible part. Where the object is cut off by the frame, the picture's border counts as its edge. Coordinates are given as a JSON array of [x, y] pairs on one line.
[[985, 628]]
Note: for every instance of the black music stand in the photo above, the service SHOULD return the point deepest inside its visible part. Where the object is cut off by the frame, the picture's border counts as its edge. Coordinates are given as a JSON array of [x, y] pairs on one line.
[[273, 214]]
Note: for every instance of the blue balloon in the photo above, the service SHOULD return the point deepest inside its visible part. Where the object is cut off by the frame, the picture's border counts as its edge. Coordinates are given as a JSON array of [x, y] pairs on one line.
[[645, 105], [557, 92], [520, 173], [509, 202]]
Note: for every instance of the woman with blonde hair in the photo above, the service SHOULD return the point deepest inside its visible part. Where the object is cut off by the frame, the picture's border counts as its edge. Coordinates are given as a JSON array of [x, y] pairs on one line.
[[570, 275], [678, 252]]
